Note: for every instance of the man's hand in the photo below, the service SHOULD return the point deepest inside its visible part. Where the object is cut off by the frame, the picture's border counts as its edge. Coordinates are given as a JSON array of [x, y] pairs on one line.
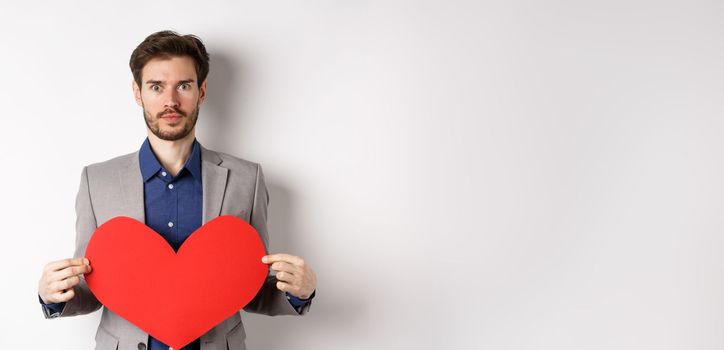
[[293, 274], [59, 278]]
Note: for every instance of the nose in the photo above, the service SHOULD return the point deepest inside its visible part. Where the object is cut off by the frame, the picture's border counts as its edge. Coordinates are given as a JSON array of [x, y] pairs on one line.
[[171, 99]]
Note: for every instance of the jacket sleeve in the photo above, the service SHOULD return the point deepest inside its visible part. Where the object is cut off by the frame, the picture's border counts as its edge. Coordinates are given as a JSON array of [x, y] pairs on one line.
[[269, 300], [85, 224]]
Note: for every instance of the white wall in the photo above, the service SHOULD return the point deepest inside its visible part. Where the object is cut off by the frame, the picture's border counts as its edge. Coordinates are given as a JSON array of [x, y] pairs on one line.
[[461, 174]]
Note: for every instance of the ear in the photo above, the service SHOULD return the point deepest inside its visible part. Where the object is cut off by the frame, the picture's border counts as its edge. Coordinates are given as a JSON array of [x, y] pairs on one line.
[[137, 93], [202, 92]]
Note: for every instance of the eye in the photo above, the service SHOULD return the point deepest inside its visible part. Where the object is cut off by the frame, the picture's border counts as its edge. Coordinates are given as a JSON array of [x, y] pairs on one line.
[[156, 87], [184, 86]]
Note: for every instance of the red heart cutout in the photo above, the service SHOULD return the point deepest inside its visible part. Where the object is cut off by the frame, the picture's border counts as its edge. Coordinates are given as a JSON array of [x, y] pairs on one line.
[[175, 296]]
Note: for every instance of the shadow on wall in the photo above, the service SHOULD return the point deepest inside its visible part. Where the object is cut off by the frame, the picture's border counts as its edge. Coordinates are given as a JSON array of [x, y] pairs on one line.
[[335, 311], [218, 118]]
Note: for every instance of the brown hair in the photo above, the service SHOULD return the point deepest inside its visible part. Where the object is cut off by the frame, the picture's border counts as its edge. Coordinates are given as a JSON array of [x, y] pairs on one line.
[[166, 44]]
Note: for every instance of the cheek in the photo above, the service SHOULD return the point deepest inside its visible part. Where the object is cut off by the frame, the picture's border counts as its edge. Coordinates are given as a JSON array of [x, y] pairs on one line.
[[151, 102], [189, 100]]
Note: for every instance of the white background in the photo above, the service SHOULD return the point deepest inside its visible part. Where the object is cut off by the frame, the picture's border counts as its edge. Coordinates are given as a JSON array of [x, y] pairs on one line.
[[460, 174]]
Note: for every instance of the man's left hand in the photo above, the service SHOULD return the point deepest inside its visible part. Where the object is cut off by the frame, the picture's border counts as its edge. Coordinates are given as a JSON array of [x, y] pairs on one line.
[[294, 276]]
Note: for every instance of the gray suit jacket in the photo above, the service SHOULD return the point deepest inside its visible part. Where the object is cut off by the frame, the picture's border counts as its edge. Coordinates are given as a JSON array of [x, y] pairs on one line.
[[231, 186]]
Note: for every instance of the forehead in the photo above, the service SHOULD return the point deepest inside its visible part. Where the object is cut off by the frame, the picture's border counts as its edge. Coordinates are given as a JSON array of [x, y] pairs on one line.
[[168, 69]]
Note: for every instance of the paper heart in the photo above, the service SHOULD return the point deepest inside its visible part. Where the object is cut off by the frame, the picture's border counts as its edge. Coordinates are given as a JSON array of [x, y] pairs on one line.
[[175, 296]]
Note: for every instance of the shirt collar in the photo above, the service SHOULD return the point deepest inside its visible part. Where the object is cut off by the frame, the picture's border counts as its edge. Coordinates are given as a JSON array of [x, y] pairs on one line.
[[150, 164]]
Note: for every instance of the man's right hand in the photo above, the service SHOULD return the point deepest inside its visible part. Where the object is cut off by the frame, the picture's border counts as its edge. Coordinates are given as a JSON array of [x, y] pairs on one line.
[[59, 278]]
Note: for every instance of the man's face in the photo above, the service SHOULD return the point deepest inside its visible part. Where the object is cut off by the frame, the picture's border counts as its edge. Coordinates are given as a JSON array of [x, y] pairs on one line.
[[170, 96]]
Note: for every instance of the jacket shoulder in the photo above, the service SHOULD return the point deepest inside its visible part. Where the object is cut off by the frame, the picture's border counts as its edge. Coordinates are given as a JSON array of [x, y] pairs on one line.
[[112, 166], [234, 164]]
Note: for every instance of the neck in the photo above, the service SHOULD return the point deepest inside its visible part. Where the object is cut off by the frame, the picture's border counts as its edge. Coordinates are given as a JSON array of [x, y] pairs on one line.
[[172, 154]]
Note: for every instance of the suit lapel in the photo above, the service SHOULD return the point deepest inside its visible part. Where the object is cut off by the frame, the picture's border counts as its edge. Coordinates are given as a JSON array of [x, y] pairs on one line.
[[132, 187], [213, 179]]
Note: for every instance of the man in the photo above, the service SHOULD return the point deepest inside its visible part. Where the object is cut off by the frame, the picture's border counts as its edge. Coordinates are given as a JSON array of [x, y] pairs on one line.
[[174, 185]]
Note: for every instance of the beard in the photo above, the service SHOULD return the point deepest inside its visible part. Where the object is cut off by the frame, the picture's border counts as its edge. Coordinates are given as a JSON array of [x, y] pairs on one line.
[[152, 122]]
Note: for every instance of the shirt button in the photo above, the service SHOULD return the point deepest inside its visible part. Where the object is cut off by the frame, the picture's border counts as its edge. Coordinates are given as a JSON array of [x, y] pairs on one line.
[[141, 346], [163, 173], [170, 186], [170, 224]]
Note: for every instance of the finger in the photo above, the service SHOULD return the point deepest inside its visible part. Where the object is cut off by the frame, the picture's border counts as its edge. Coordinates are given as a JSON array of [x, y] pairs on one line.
[[284, 287], [70, 271], [63, 296], [292, 259], [67, 283], [61, 264], [289, 288], [284, 266], [61, 285], [288, 278]]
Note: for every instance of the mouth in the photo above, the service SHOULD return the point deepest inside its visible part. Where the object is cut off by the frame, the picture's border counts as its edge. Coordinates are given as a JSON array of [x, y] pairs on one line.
[[171, 117]]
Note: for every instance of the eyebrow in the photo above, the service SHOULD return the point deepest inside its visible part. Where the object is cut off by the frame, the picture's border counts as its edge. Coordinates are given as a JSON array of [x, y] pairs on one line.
[[159, 82]]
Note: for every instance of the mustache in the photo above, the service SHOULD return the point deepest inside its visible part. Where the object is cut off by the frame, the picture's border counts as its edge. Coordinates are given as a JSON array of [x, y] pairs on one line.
[[170, 111]]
